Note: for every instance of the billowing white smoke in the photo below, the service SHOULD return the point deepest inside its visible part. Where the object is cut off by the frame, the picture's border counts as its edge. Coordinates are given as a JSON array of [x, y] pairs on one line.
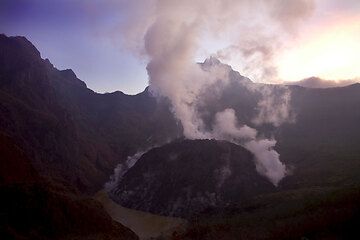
[[173, 33], [267, 162], [226, 127], [267, 159]]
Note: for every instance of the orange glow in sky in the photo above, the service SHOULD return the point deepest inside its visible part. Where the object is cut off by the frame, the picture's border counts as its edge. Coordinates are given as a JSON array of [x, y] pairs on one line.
[[330, 50]]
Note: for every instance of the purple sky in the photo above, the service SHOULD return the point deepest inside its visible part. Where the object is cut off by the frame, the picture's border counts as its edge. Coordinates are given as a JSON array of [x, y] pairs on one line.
[[77, 35], [86, 36]]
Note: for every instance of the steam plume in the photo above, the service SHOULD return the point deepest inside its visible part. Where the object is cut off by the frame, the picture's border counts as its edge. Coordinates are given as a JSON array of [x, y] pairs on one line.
[[121, 169], [267, 160], [173, 33]]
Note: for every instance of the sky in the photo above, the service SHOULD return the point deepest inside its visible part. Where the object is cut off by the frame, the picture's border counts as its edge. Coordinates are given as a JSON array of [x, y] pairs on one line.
[[86, 36], [328, 45]]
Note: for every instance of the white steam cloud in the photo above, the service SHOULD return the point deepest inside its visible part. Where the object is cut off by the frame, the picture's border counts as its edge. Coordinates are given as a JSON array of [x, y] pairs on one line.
[[173, 33], [267, 160], [274, 107]]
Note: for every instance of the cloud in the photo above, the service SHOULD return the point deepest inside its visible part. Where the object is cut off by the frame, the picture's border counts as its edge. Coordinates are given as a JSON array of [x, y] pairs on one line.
[[251, 32], [315, 82]]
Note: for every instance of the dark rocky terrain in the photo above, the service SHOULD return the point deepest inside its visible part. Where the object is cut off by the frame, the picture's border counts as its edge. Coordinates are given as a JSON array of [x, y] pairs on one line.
[[185, 177]]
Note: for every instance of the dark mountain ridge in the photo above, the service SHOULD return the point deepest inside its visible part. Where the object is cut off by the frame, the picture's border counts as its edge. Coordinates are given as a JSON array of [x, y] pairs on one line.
[[71, 132]]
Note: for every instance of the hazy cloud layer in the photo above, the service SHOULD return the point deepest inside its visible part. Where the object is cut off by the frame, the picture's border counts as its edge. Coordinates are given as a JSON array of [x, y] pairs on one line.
[[315, 82]]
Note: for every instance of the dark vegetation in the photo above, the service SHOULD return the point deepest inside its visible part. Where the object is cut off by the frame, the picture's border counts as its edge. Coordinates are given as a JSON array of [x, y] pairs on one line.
[[34, 207], [312, 213]]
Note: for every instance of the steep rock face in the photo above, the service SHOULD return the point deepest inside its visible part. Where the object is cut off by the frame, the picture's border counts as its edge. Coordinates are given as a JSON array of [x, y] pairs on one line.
[[185, 177], [70, 132]]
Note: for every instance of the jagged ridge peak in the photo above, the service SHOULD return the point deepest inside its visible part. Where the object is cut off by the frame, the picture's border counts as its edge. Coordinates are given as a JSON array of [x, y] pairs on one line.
[[20, 42], [211, 61]]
